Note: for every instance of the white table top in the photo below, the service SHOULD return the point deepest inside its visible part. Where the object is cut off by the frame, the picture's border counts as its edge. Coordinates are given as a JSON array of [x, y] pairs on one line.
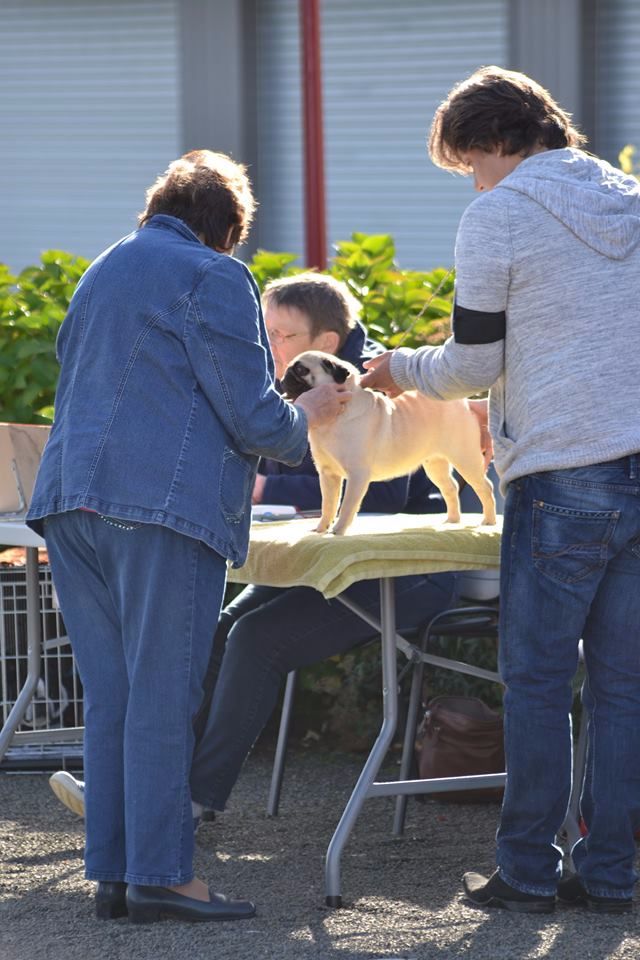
[[15, 533]]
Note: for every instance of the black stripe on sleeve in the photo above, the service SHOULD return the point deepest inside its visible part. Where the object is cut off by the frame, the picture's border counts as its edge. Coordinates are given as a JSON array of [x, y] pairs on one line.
[[478, 326]]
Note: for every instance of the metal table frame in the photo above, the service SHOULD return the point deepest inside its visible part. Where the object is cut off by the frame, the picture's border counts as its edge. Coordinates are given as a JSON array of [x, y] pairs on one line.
[[366, 785], [18, 534]]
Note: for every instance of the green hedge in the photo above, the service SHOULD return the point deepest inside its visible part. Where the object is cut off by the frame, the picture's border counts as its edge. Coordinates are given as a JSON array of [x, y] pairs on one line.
[[33, 305]]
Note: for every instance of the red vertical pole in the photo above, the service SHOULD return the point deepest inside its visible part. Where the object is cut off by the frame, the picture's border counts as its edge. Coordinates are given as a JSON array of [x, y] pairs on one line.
[[315, 214]]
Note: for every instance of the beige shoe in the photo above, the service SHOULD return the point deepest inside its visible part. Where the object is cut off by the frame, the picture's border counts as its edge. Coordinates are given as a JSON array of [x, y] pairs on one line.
[[68, 790]]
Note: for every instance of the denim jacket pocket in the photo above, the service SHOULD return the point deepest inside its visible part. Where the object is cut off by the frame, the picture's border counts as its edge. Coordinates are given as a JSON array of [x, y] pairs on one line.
[[235, 478], [569, 544]]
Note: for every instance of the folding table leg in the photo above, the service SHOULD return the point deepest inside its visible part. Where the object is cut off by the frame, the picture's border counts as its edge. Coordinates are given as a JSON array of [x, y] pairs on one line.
[[408, 746], [571, 826], [34, 645], [281, 747], [379, 750]]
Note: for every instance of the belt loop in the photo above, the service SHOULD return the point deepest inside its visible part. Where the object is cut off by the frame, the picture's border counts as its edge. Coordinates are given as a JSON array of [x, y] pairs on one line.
[[633, 466]]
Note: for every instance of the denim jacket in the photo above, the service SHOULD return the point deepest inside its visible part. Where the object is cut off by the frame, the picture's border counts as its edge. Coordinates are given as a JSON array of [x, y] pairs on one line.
[[166, 398]]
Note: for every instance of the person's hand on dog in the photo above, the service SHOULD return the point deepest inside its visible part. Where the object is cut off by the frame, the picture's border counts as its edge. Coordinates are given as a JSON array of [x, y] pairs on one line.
[[378, 376], [481, 409], [258, 488], [323, 404]]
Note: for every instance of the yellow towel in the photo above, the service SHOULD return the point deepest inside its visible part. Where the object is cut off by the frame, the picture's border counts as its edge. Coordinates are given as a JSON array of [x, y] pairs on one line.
[[289, 554]]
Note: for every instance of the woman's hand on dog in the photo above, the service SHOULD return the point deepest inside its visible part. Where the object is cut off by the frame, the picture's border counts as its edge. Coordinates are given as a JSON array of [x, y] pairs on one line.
[[258, 488], [378, 375], [323, 404]]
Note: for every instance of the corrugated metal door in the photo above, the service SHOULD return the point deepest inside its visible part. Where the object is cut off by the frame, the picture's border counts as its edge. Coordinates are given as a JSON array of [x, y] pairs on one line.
[[89, 116], [386, 68], [617, 83]]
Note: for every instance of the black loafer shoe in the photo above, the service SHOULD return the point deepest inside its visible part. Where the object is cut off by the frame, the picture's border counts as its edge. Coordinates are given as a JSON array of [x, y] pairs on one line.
[[111, 900], [572, 892], [148, 904], [494, 892]]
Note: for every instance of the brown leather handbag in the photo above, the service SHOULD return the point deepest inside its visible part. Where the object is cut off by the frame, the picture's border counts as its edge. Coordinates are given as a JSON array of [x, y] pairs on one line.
[[459, 737]]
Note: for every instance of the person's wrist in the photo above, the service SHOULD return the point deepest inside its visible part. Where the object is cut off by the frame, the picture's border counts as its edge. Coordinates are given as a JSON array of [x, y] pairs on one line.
[[399, 368]]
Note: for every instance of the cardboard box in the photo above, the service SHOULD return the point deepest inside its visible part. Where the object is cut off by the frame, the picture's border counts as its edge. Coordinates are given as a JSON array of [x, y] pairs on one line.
[[21, 446]]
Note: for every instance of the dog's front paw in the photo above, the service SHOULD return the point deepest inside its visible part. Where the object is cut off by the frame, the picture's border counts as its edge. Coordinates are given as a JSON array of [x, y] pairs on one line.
[[453, 518], [322, 527], [339, 529]]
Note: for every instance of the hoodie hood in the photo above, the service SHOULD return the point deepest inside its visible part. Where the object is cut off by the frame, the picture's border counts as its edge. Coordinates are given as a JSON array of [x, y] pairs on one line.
[[596, 201]]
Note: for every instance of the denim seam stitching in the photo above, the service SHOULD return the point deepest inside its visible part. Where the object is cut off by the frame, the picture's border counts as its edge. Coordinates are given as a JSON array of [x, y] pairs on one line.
[[133, 356]]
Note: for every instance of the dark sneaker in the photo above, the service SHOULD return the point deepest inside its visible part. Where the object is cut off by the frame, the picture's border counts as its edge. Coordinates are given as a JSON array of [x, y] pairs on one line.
[[494, 892], [572, 892]]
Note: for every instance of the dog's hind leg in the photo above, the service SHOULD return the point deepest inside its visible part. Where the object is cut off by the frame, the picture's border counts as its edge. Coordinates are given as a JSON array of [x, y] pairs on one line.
[[482, 487], [330, 488], [357, 483], [439, 471]]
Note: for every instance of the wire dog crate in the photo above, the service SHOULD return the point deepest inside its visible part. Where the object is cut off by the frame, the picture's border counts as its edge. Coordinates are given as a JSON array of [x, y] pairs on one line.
[[51, 731]]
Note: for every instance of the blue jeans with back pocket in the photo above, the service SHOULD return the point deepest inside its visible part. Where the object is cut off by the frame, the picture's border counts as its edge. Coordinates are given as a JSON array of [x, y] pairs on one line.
[[570, 569]]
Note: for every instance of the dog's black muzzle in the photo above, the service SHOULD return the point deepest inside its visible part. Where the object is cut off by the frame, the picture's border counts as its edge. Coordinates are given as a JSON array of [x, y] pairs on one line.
[[293, 383]]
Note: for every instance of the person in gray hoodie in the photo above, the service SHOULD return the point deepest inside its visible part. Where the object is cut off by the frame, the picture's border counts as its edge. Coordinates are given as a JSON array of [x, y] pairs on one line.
[[547, 316]]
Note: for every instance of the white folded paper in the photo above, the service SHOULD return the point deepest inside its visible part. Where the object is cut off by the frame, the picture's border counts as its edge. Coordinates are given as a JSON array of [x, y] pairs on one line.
[[272, 511]]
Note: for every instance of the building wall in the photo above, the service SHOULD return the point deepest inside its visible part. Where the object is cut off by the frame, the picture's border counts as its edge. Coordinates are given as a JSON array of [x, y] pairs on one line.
[[99, 95], [547, 43], [615, 26], [89, 116], [385, 69]]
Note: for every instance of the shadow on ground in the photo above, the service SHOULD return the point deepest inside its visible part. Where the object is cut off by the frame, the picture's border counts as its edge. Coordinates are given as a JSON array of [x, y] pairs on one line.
[[402, 896]]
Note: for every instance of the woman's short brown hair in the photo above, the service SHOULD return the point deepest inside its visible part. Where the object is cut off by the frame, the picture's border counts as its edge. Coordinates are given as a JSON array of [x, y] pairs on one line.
[[210, 192], [326, 302], [497, 108]]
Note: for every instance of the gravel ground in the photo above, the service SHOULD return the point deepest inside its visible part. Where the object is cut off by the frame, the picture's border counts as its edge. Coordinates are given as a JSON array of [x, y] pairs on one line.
[[402, 897]]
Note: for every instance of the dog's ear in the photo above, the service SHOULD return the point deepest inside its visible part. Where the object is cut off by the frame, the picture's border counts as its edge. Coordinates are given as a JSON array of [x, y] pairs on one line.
[[338, 372]]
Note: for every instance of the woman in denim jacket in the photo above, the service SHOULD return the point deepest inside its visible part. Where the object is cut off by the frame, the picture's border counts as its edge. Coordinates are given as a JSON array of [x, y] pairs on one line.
[[165, 402]]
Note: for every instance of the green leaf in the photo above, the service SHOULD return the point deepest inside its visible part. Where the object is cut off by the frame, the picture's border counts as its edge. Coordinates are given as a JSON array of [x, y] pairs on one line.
[[266, 266], [379, 244]]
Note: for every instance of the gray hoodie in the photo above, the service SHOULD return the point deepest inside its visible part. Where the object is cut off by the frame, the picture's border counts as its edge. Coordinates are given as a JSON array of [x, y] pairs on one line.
[[547, 315]]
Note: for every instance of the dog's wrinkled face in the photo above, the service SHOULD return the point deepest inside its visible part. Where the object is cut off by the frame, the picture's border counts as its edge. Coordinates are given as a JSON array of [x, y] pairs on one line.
[[312, 368]]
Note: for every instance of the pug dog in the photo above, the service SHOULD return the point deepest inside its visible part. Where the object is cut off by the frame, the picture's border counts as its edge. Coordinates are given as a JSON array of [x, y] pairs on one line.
[[376, 438]]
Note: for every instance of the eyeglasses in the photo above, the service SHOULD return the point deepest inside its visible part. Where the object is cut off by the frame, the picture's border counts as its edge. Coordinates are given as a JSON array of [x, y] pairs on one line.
[[276, 337]]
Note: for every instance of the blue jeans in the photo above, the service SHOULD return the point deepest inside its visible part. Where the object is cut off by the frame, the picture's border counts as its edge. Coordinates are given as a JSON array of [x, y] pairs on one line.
[[570, 568], [270, 632], [140, 603]]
